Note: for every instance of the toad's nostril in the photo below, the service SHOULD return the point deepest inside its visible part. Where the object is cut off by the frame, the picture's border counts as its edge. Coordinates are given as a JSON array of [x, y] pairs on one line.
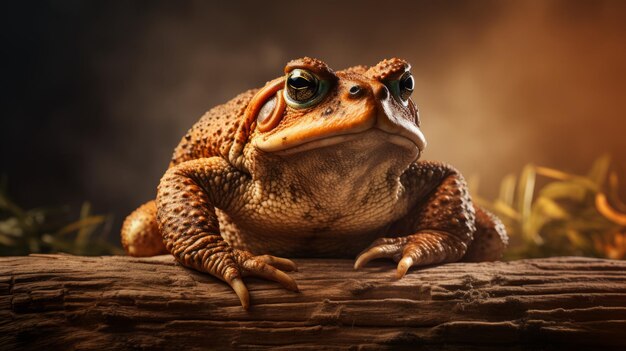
[[355, 91]]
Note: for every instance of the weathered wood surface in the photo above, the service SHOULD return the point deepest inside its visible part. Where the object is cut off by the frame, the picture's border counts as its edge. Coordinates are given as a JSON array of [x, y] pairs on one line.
[[72, 302]]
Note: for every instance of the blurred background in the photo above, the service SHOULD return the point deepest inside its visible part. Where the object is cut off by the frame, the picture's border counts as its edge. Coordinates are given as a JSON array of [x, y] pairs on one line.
[[96, 94]]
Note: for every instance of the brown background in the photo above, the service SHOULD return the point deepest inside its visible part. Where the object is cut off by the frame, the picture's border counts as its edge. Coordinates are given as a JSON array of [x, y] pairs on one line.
[[97, 94]]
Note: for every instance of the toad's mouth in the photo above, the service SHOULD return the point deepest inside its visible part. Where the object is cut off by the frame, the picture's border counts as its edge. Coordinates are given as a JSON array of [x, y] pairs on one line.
[[316, 133], [370, 135]]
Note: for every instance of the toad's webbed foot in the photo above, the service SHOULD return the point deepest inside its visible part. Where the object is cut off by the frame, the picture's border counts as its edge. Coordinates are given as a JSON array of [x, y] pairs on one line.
[[423, 248]]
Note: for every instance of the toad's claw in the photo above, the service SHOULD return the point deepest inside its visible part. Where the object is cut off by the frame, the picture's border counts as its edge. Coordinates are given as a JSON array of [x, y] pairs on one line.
[[414, 250], [392, 251], [256, 268], [403, 266], [379, 249], [241, 291], [266, 267], [277, 262]]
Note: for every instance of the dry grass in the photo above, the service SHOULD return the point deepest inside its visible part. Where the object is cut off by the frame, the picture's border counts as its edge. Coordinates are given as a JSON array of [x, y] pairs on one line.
[[549, 212], [51, 229]]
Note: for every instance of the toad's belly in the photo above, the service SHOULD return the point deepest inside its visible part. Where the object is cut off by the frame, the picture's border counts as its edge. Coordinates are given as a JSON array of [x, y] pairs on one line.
[[309, 240]]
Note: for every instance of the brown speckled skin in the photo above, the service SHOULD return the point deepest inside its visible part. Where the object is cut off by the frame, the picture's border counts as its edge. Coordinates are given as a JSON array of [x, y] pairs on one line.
[[330, 180], [139, 230]]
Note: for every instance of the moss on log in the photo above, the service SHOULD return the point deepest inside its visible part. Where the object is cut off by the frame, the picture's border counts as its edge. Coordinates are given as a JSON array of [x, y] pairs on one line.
[[94, 303]]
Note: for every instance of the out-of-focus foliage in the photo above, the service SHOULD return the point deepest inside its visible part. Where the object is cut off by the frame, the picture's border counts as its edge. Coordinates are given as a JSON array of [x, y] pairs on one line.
[[548, 212], [49, 230]]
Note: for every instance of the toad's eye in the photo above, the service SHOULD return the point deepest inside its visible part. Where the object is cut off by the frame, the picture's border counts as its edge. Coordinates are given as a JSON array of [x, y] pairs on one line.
[[303, 88], [301, 85], [406, 85]]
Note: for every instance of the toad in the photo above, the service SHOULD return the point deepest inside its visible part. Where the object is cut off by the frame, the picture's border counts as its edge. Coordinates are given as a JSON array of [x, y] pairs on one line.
[[317, 163]]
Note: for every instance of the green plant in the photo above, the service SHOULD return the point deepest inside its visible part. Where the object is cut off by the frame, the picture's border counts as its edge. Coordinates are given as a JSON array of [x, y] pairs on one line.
[[48, 230], [566, 214]]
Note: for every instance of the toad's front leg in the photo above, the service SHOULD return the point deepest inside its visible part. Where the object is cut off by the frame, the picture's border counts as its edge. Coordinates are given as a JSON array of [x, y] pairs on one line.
[[186, 200], [441, 225]]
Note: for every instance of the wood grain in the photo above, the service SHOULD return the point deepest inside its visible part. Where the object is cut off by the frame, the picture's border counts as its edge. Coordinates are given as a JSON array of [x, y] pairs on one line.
[[94, 303]]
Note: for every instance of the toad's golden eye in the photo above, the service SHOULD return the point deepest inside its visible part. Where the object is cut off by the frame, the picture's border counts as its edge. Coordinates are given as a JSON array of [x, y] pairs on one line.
[[303, 88], [406, 85], [301, 85]]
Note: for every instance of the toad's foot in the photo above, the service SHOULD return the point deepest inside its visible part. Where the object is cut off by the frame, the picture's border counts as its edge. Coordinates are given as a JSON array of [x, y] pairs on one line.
[[423, 248], [265, 266]]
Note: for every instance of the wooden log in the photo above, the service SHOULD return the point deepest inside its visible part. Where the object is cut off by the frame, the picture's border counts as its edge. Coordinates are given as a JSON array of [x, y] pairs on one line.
[[94, 303]]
